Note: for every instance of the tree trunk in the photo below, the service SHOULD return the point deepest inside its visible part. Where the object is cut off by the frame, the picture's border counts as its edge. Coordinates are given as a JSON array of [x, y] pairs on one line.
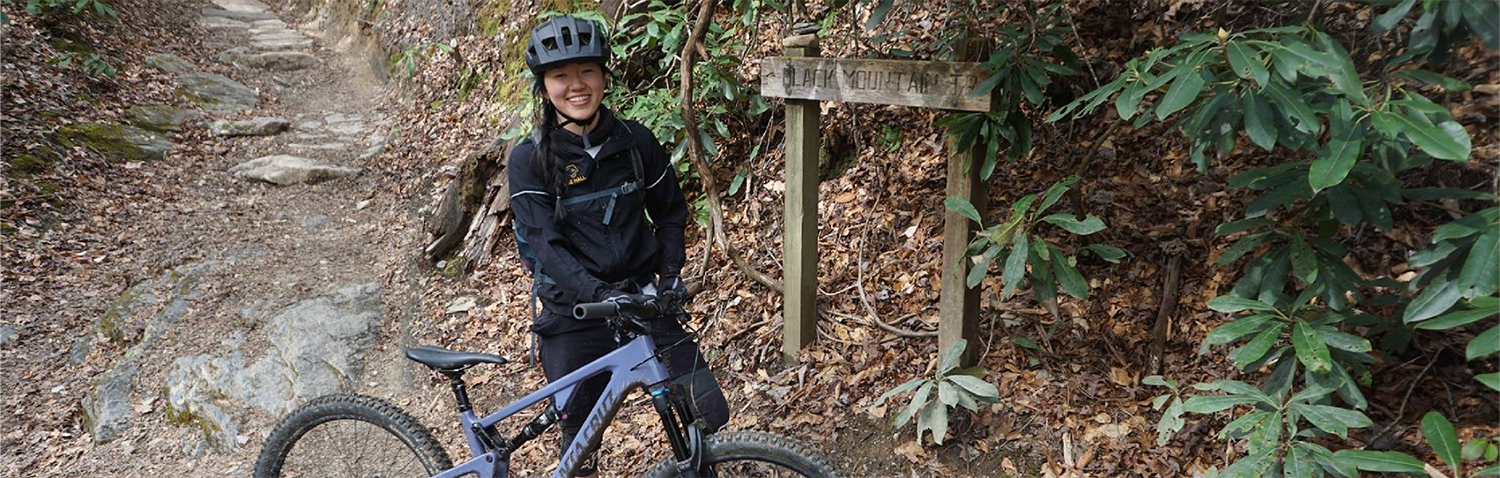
[[467, 222]]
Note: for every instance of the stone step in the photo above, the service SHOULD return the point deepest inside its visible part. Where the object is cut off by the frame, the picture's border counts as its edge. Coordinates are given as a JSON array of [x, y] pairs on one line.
[[241, 16]]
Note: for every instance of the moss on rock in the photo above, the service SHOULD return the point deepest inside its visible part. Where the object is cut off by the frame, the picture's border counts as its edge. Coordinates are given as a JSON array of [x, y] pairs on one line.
[[115, 141]]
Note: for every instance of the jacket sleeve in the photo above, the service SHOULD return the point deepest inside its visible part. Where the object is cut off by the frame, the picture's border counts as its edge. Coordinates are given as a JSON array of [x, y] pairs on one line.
[[533, 203], [665, 203]]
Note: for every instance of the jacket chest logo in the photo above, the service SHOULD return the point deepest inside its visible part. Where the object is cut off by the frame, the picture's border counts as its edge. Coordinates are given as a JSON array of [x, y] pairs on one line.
[[575, 175]]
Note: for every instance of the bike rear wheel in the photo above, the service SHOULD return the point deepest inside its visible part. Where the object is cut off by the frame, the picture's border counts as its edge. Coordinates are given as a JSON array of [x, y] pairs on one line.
[[350, 435], [747, 454]]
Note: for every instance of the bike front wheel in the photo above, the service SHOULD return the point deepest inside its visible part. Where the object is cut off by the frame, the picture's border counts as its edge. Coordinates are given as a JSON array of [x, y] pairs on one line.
[[750, 454], [350, 435]]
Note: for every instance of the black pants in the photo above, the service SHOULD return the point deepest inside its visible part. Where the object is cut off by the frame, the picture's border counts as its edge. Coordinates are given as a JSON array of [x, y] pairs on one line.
[[563, 353]]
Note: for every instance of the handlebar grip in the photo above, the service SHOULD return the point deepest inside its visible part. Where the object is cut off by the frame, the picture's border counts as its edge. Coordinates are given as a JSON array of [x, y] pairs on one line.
[[596, 310]]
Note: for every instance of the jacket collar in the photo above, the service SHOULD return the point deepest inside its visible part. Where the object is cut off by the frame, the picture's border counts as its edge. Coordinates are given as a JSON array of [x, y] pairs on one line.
[[608, 132]]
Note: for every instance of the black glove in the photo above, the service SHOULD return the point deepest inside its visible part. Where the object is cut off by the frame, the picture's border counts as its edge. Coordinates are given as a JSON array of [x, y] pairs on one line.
[[625, 299], [671, 288]]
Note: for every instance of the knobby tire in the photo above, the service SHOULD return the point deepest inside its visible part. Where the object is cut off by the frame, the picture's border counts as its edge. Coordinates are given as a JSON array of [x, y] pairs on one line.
[[362, 408], [726, 448]]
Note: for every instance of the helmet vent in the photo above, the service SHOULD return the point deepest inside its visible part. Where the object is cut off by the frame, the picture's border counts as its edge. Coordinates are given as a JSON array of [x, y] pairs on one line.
[[584, 38], [567, 36]]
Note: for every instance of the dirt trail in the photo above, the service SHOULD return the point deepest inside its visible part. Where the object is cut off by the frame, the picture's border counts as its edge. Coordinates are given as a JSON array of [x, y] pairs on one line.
[[216, 267]]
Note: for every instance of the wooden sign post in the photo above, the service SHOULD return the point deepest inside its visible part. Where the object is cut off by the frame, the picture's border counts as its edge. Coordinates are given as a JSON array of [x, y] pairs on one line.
[[804, 79]]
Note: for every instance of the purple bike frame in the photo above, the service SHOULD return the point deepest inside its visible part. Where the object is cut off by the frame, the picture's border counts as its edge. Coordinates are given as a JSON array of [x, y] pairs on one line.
[[631, 366]]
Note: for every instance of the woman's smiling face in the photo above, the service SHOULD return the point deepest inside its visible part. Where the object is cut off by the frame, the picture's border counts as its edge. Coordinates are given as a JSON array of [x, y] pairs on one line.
[[575, 88]]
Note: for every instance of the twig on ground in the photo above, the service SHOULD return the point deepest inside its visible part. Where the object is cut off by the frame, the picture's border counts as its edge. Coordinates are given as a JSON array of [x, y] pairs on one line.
[[1164, 313]]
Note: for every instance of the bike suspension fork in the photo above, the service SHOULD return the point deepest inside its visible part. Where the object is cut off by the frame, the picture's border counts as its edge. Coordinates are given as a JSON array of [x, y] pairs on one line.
[[683, 430]]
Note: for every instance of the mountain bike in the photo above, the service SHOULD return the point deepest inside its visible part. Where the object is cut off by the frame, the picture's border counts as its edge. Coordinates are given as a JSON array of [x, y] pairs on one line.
[[365, 437]]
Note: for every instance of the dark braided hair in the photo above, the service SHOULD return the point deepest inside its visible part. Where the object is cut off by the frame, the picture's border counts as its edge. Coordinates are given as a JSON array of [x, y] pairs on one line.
[[551, 164]]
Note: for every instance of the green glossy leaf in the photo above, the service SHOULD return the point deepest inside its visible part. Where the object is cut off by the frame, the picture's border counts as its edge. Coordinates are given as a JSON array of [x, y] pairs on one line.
[[976, 386], [1447, 140], [1482, 19], [1067, 277], [1382, 461], [1304, 260], [1215, 403], [1326, 459], [1492, 470], [1457, 319], [1129, 100], [1293, 107], [1246, 62], [1390, 18], [1253, 465], [1474, 449], [963, 208], [1299, 464], [1440, 436], [917, 401], [951, 356], [1182, 93], [1260, 126], [1436, 298], [1069, 222], [1343, 340], [1486, 343], [1257, 347], [978, 271], [1236, 387], [1333, 420], [900, 389], [1491, 380], [1311, 350], [1344, 206], [1336, 160], [1242, 225], [1425, 77], [877, 15], [1015, 265], [1243, 246], [1481, 270], [947, 393], [1230, 304], [1055, 192], [1106, 252], [934, 418]]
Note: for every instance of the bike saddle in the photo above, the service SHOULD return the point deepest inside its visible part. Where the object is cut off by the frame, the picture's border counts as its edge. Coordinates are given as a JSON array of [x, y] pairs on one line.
[[444, 360]]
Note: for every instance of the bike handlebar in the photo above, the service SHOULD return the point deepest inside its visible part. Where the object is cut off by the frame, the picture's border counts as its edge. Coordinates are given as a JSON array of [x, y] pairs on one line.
[[601, 310]]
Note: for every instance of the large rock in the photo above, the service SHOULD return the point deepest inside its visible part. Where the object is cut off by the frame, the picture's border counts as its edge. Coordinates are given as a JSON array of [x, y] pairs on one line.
[[221, 22], [323, 339], [281, 44], [286, 170], [170, 63], [7, 334], [242, 5], [234, 15], [190, 390], [278, 60], [258, 126], [161, 117], [232, 55], [106, 408], [317, 348], [217, 93], [116, 141]]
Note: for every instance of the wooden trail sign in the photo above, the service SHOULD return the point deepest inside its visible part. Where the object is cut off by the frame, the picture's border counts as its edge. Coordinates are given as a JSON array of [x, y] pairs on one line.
[[805, 79], [925, 84]]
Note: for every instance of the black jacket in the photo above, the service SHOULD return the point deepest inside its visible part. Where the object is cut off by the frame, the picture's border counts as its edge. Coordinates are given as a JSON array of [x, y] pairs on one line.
[[581, 254]]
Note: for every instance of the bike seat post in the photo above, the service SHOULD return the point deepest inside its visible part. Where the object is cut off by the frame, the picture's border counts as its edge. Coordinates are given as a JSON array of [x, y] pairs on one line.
[[460, 390]]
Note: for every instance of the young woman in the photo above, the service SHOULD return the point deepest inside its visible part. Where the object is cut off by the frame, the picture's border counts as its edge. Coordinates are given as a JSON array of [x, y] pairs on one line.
[[582, 187]]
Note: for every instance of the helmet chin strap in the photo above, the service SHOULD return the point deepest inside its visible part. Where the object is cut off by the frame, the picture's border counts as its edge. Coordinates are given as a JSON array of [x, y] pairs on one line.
[[582, 122]]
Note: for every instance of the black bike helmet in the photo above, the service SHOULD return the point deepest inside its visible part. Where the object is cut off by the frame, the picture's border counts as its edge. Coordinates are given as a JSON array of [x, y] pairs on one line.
[[565, 39]]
